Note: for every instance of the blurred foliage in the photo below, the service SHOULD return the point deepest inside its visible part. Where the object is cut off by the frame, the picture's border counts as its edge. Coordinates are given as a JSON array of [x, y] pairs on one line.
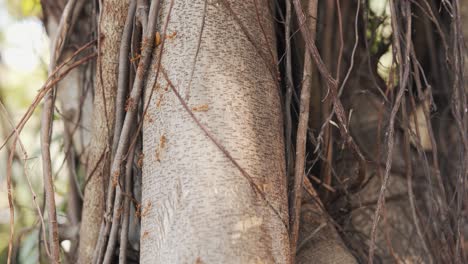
[[17, 90], [20, 88], [24, 8]]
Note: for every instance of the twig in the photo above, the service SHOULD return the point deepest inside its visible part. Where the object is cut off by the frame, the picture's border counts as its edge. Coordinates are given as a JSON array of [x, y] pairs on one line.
[[326, 186], [356, 43], [331, 83], [122, 81], [329, 136], [409, 179], [289, 91], [64, 27], [46, 130], [404, 73], [49, 84], [111, 228], [10, 201], [126, 208], [340, 30], [31, 189], [142, 14], [151, 92], [302, 137]]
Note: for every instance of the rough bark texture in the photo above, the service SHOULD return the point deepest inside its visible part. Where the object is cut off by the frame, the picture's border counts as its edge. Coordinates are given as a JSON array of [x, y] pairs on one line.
[[464, 19], [464, 26], [113, 15], [318, 240], [197, 206]]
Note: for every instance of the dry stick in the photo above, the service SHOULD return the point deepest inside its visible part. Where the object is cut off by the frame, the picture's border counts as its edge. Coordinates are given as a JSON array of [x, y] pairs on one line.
[[39, 212], [435, 152], [430, 130], [148, 44], [46, 132], [331, 83], [10, 196], [326, 106], [46, 129], [333, 89], [430, 14], [17, 132], [122, 81], [10, 201], [341, 89], [244, 173], [353, 53], [25, 158], [142, 14], [409, 176], [139, 28], [340, 29], [302, 137], [356, 42], [147, 104], [404, 74], [48, 86], [126, 209], [288, 96], [427, 117], [326, 171], [141, 17]]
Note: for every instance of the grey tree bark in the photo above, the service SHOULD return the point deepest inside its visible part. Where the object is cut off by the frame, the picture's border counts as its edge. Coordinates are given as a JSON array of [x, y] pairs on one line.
[[214, 178], [197, 205]]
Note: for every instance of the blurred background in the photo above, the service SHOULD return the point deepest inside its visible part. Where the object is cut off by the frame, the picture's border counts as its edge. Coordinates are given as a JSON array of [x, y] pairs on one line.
[[24, 56]]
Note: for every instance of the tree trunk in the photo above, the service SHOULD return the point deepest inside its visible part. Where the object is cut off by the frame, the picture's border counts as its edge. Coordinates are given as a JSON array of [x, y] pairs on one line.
[[214, 180], [198, 205], [111, 23]]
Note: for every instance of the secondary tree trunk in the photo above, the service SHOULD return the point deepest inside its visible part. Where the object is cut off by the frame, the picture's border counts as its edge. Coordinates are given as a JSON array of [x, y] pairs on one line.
[[198, 207], [111, 23]]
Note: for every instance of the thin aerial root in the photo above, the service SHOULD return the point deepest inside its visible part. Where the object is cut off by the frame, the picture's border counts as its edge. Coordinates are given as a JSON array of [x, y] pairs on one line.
[[301, 140]]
